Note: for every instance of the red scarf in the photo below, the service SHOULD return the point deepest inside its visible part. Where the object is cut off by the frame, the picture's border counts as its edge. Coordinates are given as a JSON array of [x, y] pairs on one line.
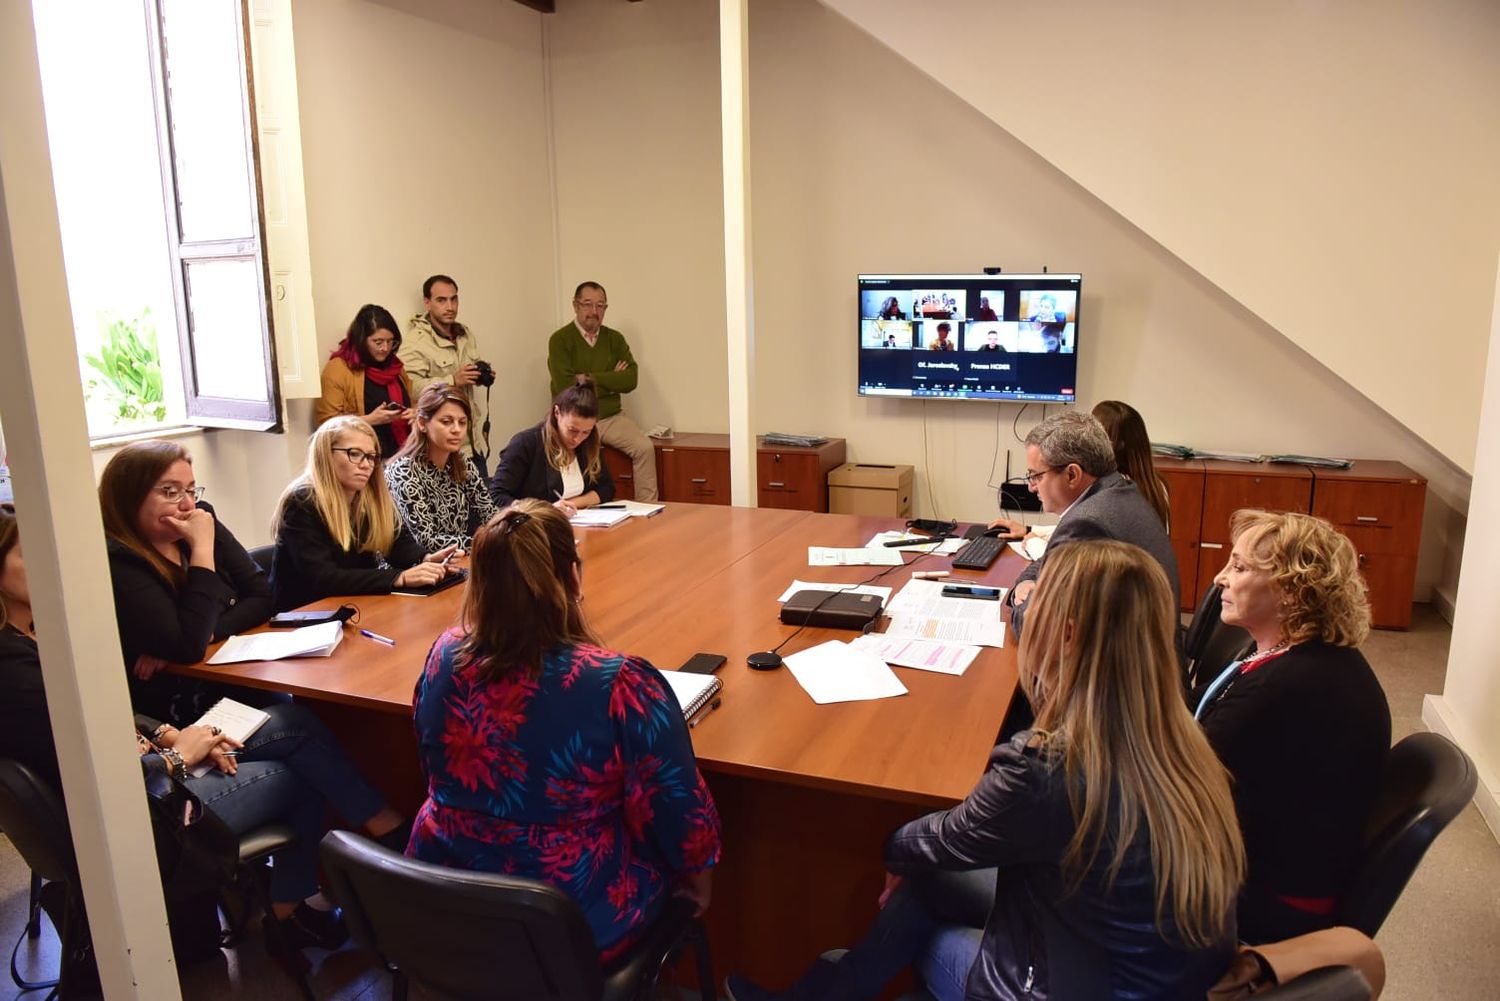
[[388, 377]]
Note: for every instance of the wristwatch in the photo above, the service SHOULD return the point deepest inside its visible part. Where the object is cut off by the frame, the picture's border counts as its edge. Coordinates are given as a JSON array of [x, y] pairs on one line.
[[176, 767]]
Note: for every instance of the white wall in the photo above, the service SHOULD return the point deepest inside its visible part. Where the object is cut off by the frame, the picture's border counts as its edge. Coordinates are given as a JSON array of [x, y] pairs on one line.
[[834, 196], [1329, 165]]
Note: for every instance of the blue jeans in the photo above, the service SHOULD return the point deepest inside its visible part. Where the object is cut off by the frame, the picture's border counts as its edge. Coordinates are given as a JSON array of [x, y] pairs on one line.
[[290, 771]]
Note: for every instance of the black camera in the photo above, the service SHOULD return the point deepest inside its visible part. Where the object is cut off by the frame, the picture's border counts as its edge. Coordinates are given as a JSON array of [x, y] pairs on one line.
[[486, 376]]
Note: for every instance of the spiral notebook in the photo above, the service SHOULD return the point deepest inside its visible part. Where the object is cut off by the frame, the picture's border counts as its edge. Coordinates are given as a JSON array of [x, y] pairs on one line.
[[693, 691]]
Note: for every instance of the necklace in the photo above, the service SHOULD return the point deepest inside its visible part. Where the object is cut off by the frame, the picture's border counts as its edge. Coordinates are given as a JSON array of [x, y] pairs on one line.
[[1263, 654]]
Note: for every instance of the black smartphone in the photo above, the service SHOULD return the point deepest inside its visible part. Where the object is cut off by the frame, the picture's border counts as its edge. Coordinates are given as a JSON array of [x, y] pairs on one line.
[[291, 620], [389, 405], [971, 591], [703, 663]]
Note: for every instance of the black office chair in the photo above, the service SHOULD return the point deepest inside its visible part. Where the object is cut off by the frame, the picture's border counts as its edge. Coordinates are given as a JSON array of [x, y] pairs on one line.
[[1428, 781], [1210, 643], [32, 815], [478, 935], [262, 557]]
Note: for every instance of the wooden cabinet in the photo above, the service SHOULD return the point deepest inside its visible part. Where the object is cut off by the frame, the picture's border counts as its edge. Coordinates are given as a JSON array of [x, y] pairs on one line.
[[695, 467], [621, 470], [1378, 505]]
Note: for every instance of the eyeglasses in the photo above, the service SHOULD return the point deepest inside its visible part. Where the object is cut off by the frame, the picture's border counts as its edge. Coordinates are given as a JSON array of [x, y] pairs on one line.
[[1031, 477], [381, 342], [585, 304], [359, 456], [173, 494]]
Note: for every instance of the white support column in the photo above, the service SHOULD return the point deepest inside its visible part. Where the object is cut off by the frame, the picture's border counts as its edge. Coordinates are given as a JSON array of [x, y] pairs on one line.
[[734, 91], [41, 404]]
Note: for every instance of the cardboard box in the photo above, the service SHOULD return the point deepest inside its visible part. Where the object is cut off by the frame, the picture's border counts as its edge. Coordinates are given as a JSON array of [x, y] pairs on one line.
[[861, 488]]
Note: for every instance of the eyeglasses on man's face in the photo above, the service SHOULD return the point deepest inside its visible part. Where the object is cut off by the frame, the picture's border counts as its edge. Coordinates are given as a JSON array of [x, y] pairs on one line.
[[359, 456], [173, 494], [1032, 478]]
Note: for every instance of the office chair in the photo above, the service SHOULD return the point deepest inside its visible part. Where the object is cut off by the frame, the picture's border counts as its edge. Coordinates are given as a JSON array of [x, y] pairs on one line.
[[479, 935], [1210, 643], [32, 815], [262, 557], [1428, 781]]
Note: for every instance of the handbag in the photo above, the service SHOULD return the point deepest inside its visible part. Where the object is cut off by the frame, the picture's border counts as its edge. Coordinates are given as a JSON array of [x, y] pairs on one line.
[[194, 849]]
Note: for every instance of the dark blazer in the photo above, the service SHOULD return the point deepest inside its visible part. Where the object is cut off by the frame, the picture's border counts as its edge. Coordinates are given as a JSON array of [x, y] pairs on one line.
[[178, 623], [1112, 508], [525, 472], [1305, 737], [309, 565], [1044, 939]]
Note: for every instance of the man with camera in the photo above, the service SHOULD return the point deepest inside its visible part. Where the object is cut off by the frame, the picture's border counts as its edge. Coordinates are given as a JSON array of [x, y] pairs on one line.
[[586, 347], [437, 348]]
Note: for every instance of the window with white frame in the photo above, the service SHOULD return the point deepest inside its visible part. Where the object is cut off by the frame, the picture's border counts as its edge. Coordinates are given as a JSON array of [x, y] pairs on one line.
[[152, 129]]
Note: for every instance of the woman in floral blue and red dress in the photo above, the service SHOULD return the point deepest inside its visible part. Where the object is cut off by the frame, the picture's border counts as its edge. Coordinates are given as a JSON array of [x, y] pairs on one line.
[[551, 757]]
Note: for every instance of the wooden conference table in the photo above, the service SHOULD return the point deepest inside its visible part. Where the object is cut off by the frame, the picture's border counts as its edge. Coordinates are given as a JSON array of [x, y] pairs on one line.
[[807, 793]]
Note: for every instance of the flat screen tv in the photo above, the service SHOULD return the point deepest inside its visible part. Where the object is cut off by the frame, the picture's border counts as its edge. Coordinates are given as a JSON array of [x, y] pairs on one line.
[[970, 337]]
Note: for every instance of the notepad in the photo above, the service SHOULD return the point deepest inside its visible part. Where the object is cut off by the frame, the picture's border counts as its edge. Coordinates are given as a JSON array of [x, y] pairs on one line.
[[309, 641], [640, 509], [237, 720], [593, 517], [693, 691]]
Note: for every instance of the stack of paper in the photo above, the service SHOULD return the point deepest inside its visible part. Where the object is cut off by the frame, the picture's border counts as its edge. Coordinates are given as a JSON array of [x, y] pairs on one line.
[[943, 547], [836, 672], [309, 641], [640, 509], [827, 556], [924, 655], [920, 611], [593, 517]]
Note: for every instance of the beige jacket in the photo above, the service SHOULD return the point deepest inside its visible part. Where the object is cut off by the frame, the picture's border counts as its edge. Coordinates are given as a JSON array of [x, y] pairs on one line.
[[430, 357]]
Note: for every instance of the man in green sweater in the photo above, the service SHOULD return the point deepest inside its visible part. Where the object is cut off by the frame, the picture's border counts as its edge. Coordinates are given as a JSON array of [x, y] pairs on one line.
[[587, 347]]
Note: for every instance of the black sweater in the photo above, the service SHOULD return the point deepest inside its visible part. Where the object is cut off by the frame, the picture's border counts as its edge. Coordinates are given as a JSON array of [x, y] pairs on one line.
[[1305, 738], [178, 623], [310, 565], [525, 472]]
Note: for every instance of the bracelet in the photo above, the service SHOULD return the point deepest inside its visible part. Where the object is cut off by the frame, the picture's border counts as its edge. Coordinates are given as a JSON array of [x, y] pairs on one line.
[[156, 734], [176, 767]]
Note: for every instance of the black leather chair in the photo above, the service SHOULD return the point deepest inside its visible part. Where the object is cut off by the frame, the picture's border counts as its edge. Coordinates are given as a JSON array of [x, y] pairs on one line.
[[1428, 781], [33, 816], [1210, 644], [477, 935], [262, 556]]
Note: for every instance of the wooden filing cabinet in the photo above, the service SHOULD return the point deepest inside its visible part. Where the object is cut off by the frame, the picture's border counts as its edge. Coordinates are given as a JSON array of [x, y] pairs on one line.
[[695, 467], [621, 470], [1184, 480], [1378, 505]]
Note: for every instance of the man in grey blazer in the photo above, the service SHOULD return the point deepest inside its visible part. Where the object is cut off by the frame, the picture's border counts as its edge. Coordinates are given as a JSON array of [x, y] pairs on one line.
[[1070, 465]]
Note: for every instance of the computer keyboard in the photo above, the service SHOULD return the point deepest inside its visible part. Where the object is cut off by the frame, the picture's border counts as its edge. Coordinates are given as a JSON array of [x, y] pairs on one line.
[[979, 554]]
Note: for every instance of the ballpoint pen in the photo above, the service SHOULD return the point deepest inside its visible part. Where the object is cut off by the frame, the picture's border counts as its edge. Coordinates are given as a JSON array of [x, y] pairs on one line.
[[704, 712], [377, 637]]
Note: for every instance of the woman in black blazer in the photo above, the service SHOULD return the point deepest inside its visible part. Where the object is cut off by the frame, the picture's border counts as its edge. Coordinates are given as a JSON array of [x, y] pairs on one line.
[[181, 579], [337, 529], [558, 460]]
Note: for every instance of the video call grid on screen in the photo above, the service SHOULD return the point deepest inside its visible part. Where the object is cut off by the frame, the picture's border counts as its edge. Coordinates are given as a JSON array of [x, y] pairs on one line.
[[974, 337]]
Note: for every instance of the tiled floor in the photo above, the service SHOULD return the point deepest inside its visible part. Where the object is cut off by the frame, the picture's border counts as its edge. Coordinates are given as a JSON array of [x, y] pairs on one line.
[[1437, 941]]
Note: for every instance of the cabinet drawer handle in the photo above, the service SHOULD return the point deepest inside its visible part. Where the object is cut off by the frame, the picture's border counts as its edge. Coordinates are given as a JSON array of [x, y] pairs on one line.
[[625, 476], [775, 483], [1363, 559], [1211, 545], [1365, 517], [700, 479], [665, 449]]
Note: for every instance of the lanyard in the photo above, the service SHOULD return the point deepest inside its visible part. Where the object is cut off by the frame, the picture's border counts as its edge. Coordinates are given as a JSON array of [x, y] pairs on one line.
[[1217, 686]]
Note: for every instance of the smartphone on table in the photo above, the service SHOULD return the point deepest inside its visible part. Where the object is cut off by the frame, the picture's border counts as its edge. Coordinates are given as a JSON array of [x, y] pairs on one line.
[[971, 591]]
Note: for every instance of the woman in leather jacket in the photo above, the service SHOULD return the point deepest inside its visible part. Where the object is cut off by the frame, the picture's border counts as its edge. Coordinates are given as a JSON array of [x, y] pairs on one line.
[[1111, 823]]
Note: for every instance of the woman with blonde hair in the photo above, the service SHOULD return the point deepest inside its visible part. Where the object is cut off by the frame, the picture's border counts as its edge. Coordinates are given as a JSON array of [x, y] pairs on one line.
[[181, 579], [438, 491], [1111, 822], [550, 756], [1127, 433], [1301, 723], [337, 529], [558, 460]]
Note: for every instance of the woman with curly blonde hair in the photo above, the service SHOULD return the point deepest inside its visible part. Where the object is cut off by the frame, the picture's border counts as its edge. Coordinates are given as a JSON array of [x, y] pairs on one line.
[[1301, 723]]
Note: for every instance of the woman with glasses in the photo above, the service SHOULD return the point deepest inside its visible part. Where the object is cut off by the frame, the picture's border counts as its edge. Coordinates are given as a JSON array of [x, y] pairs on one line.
[[337, 529], [181, 579], [551, 757], [365, 378], [438, 490]]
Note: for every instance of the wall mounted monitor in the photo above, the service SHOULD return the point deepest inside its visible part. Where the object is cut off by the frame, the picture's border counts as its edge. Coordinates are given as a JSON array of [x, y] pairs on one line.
[[970, 337]]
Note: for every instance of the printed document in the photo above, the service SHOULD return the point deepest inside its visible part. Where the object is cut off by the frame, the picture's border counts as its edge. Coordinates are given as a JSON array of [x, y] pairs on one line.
[[924, 655], [828, 556], [945, 548], [308, 641], [836, 672], [920, 611]]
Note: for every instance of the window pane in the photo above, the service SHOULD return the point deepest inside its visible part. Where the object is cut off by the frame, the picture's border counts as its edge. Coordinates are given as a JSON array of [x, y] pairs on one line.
[[205, 92], [225, 300]]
